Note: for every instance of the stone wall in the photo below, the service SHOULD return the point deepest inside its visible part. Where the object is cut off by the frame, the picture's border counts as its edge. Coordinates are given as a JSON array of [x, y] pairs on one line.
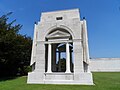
[[105, 65]]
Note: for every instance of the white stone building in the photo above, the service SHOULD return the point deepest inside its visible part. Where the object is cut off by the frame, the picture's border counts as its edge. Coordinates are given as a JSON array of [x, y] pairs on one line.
[[58, 33]]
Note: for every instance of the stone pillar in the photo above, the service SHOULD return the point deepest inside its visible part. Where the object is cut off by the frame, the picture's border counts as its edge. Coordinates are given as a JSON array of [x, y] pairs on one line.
[[78, 59], [88, 69], [67, 58], [59, 68], [49, 59], [71, 60], [53, 57]]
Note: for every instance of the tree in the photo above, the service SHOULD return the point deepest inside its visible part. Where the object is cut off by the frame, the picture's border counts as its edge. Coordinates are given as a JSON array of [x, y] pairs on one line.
[[15, 49]]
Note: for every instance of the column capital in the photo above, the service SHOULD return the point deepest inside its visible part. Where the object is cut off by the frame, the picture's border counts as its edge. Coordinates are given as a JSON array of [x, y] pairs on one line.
[[67, 42]]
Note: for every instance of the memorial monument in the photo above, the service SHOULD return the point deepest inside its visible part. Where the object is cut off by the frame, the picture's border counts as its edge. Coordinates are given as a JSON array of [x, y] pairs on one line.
[[58, 34]]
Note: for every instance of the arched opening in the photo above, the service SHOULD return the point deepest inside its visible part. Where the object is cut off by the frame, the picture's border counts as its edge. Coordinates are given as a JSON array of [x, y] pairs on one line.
[[59, 42], [61, 58]]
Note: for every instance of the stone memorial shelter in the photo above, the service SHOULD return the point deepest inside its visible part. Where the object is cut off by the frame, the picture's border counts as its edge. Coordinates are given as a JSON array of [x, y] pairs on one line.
[[60, 52]]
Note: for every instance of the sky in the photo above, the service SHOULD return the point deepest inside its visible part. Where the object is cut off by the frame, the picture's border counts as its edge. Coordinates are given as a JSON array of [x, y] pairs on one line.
[[103, 20]]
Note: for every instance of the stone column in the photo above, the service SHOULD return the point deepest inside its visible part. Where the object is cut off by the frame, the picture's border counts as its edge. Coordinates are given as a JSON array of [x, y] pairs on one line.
[[67, 58], [59, 68], [70, 59], [49, 59], [53, 57]]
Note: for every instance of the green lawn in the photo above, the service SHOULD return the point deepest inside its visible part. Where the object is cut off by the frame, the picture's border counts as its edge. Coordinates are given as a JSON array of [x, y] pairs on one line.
[[103, 81]]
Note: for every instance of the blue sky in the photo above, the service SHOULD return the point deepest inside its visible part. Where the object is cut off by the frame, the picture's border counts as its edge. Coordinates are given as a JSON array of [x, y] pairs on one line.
[[103, 20]]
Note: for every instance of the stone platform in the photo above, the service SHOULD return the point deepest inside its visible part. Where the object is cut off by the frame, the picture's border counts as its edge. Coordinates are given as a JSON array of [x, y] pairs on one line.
[[62, 78]]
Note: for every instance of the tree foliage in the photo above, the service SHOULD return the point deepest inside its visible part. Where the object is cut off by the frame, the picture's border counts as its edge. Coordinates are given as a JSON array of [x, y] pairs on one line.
[[15, 49]]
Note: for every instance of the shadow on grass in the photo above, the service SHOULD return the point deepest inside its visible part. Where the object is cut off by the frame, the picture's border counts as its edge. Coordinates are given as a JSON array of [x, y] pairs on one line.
[[8, 78]]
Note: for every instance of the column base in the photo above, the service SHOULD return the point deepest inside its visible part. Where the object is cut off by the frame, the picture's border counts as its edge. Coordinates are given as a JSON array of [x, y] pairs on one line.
[[49, 72], [68, 72]]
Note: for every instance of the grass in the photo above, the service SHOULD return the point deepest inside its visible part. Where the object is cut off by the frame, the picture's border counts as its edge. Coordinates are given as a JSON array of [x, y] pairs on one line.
[[103, 81]]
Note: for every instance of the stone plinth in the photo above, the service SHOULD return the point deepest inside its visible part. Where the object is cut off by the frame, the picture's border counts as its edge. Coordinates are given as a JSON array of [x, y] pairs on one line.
[[60, 32]]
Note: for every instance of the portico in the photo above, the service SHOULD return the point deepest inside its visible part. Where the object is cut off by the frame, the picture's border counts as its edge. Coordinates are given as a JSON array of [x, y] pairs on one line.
[[49, 64], [61, 42]]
